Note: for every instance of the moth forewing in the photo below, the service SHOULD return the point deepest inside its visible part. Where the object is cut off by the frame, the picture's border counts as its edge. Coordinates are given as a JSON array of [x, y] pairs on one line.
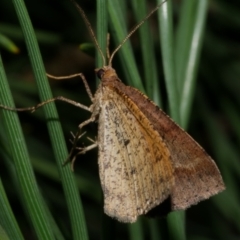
[[134, 163]]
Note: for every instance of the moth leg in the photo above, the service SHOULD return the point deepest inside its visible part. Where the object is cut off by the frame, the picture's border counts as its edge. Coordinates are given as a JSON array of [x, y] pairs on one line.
[[88, 90], [34, 108], [83, 150], [74, 142], [59, 98]]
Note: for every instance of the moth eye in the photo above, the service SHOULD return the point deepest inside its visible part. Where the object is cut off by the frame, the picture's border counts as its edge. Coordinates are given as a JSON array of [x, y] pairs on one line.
[[100, 72]]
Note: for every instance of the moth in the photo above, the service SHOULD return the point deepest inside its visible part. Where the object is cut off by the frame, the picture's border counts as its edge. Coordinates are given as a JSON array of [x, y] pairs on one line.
[[144, 157]]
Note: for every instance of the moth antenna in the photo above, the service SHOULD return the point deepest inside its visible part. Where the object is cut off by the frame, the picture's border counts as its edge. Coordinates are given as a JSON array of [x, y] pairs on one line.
[[134, 30], [90, 30], [108, 44]]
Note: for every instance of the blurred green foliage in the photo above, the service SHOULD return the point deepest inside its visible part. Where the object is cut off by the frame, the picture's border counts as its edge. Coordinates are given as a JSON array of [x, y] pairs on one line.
[[214, 116]]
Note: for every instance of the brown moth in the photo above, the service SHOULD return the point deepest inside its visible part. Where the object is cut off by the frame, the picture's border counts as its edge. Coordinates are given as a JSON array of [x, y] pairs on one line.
[[144, 157]]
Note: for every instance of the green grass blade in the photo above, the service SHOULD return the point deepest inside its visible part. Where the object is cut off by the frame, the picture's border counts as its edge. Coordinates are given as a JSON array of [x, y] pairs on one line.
[[151, 78], [102, 19], [12, 171], [8, 44], [136, 230], [7, 218], [183, 39], [3, 234], [119, 32], [22, 163], [190, 74], [176, 226], [154, 230], [167, 47], [55, 131]]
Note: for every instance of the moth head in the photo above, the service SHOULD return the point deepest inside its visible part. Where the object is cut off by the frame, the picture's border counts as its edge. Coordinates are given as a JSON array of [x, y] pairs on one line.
[[106, 72]]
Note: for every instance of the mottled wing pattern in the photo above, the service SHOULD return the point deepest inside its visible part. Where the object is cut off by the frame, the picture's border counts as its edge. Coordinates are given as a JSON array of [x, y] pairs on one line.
[[134, 163]]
